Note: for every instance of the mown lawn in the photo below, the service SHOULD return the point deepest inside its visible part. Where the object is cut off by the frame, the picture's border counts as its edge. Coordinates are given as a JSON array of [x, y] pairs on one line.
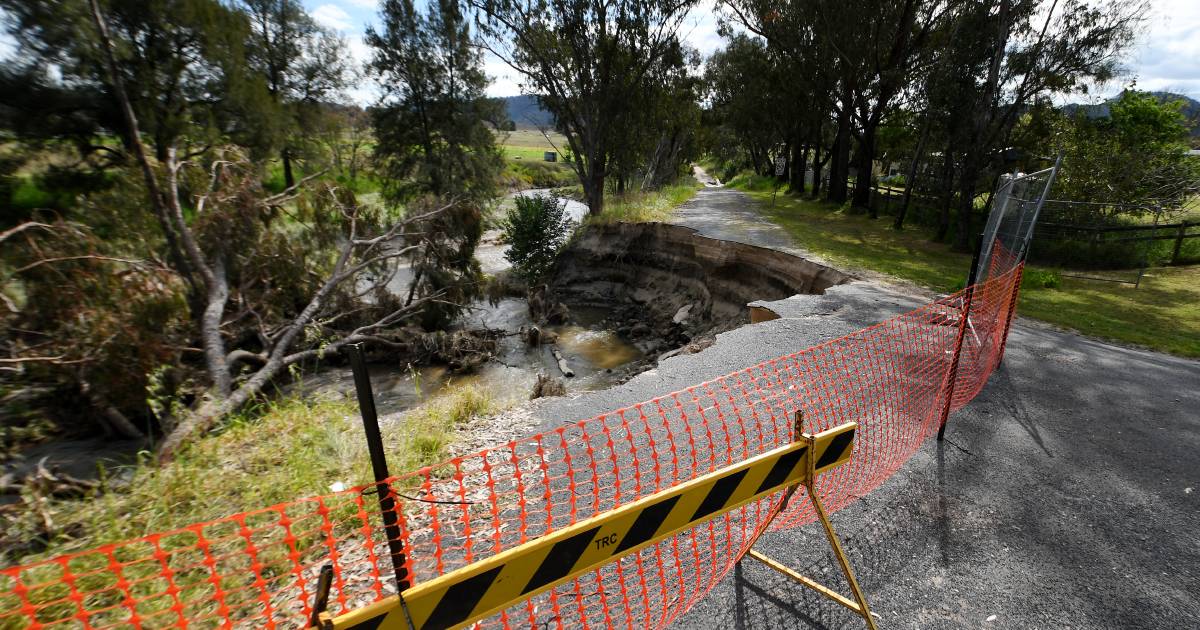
[[1163, 313]]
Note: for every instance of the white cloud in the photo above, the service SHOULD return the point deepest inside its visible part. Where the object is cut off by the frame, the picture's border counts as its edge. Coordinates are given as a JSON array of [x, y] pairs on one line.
[[504, 80], [1168, 54], [365, 91], [699, 28], [332, 16], [364, 4]]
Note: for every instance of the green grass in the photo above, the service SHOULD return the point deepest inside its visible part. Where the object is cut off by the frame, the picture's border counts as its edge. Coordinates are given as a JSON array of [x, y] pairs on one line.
[[637, 207], [1162, 314], [283, 451], [529, 144], [531, 174]]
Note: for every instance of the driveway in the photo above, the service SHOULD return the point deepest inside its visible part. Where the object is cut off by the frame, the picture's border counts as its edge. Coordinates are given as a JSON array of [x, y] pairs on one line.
[[1066, 494]]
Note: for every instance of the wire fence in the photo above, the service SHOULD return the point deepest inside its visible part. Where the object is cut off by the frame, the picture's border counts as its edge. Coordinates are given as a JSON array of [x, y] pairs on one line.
[[258, 569], [1112, 242]]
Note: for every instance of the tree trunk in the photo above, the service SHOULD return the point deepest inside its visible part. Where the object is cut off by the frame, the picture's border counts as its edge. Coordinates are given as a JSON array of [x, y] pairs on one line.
[[910, 180], [966, 208], [798, 167], [289, 179], [593, 191], [210, 329], [865, 160], [839, 171], [158, 201], [816, 168], [947, 196]]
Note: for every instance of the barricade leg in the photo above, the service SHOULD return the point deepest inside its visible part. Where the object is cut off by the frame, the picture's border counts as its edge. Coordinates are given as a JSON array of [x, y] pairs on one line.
[[858, 605]]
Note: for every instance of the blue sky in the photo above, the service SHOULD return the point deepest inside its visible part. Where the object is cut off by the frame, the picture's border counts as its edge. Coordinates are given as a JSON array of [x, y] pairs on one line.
[[1165, 57]]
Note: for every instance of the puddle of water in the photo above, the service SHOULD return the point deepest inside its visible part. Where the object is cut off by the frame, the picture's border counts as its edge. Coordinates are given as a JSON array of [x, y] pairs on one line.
[[601, 348]]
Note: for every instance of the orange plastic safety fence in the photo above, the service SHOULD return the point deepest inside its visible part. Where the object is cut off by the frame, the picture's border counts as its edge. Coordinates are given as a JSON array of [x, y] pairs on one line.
[[258, 569]]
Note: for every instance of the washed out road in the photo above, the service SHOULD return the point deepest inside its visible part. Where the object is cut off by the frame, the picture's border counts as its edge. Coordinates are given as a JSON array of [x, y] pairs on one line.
[[1066, 495]]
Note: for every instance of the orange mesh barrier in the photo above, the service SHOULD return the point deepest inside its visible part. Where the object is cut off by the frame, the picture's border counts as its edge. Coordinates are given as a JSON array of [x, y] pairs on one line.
[[258, 569]]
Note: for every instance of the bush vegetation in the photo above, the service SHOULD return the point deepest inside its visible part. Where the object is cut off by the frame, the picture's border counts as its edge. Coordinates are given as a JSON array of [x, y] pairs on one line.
[[538, 174], [535, 228], [642, 206]]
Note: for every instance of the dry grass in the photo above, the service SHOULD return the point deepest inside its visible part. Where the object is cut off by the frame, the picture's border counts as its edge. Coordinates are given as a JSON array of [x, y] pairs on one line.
[[283, 451]]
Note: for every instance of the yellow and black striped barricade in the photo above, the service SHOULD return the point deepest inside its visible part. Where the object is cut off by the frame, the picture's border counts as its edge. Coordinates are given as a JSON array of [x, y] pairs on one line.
[[480, 589]]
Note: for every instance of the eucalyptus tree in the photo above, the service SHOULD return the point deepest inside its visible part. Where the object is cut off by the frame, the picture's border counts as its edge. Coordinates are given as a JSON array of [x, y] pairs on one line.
[[659, 123], [1014, 53], [873, 50], [744, 89], [588, 61], [434, 140], [183, 61], [434, 122], [304, 66], [182, 65]]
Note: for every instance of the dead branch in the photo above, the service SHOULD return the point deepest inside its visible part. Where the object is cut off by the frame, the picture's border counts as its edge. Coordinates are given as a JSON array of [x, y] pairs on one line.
[[28, 225], [47, 261]]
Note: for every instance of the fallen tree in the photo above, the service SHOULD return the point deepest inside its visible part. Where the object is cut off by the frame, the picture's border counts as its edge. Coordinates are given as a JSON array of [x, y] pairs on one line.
[[246, 282]]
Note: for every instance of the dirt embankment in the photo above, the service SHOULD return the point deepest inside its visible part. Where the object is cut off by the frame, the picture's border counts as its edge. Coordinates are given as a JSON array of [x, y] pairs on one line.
[[665, 285]]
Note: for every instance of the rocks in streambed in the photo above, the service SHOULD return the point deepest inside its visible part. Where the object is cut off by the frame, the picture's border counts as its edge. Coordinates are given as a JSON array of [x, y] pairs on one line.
[[547, 386], [682, 314], [545, 310]]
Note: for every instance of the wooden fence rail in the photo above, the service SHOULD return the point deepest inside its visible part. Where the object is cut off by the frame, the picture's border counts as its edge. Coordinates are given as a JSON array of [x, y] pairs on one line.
[[884, 196]]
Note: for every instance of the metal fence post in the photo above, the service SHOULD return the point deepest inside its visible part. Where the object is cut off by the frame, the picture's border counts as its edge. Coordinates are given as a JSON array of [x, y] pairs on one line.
[[1012, 310], [387, 502], [958, 343]]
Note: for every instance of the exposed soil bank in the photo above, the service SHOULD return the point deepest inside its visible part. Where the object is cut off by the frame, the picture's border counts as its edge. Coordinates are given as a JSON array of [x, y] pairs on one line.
[[667, 284]]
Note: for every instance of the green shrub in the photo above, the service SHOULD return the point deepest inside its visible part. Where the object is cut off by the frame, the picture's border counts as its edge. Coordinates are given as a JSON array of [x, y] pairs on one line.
[[747, 180], [536, 228], [542, 174], [1040, 279]]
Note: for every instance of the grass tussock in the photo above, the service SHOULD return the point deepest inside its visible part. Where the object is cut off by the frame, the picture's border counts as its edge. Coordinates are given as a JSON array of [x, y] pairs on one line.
[[639, 207], [537, 174], [284, 450]]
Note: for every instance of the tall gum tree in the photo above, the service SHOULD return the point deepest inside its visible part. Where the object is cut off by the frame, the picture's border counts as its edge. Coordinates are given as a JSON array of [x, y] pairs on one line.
[[304, 66], [587, 61]]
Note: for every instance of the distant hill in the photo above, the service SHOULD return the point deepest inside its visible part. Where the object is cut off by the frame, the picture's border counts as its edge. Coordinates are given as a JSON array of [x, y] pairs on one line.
[[1191, 109], [525, 111]]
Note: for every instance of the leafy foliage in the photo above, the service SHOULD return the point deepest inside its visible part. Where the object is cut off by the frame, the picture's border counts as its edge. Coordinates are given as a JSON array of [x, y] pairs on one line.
[[602, 68], [1138, 154], [432, 130], [445, 272], [536, 228]]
